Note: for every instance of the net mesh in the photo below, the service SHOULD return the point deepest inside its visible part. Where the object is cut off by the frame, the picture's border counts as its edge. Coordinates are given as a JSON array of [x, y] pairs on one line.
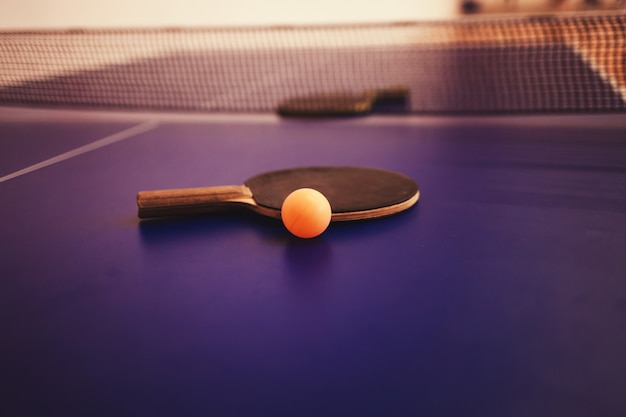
[[552, 63]]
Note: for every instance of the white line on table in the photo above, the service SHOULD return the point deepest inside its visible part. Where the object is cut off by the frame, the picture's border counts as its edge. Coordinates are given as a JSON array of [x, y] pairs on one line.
[[108, 140]]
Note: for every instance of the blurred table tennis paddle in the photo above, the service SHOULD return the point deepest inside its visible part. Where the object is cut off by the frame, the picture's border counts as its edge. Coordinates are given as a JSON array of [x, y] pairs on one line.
[[390, 100]]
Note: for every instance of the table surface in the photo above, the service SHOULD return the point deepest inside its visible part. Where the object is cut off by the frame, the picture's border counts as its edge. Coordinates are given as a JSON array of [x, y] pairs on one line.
[[501, 293]]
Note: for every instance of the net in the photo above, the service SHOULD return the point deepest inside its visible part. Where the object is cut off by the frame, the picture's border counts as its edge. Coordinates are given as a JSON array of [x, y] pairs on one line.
[[553, 63]]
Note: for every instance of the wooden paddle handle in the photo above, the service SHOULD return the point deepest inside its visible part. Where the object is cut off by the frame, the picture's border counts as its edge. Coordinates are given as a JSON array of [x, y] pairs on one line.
[[190, 201]]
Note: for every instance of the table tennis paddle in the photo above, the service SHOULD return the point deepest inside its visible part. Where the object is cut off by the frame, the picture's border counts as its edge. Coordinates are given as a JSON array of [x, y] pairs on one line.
[[346, 104], [354, 193]]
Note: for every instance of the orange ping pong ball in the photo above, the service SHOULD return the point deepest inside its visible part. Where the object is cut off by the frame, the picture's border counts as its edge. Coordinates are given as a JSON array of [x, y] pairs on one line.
[[306, 213]]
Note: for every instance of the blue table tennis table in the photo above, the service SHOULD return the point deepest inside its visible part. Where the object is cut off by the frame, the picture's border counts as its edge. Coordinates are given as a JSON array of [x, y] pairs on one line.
[[501, 293]]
